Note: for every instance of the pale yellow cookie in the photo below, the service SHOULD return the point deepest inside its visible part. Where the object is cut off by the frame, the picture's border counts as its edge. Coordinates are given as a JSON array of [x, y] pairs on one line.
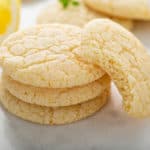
[[76, 15], [124, 58], [56, 97], [49, 115], [43, 56], [129, 9]]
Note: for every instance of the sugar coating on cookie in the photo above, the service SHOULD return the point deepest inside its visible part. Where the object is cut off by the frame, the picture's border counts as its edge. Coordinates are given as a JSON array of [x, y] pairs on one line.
[[56, 97], [130, 9], [76, 15], [124, 58], [43, 56], [49, 115]]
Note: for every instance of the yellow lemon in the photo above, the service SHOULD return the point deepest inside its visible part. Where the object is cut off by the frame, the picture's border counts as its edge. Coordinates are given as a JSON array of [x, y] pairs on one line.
[[9, 17]]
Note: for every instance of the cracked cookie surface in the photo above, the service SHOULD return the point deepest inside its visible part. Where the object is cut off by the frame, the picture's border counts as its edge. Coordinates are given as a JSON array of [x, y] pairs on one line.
[[75, 15], [130, 9], [43, 56], [56, 97], [49, 115], [124, 58]]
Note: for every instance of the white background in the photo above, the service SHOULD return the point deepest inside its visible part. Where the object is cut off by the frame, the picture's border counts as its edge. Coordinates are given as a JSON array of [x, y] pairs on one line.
[[109, 129]]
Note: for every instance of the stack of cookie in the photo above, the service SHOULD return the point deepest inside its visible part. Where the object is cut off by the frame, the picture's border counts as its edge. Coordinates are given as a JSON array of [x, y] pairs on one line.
[[44, 81], [78, 14]]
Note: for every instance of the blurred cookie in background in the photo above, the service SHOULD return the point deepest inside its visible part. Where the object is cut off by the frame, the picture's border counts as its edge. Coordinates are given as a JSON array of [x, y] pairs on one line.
[[129, 9], [75, 12]]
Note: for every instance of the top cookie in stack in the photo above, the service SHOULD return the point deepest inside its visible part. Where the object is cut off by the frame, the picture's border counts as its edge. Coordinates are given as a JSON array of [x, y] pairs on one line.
[[79, 14], [44, 80], [43, 56]]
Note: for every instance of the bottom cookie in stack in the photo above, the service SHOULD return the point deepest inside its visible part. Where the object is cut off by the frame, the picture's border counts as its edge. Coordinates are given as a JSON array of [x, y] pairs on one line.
[[51, 115]]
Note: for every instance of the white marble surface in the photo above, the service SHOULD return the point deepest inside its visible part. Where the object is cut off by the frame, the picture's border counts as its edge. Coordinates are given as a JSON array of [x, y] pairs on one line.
[[109, 129]]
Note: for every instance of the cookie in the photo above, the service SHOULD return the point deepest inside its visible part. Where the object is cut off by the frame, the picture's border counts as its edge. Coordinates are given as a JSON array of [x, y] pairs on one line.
[[129, 9], [124, 58], [49, 115], [56, 97], [43, 56], [76, 15]]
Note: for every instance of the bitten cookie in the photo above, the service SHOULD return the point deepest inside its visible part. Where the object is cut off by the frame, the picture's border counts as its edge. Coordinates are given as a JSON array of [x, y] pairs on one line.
[[76, 15], [56, 97], [43, 56], [49, 115], [129, 9], [124, 58]]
